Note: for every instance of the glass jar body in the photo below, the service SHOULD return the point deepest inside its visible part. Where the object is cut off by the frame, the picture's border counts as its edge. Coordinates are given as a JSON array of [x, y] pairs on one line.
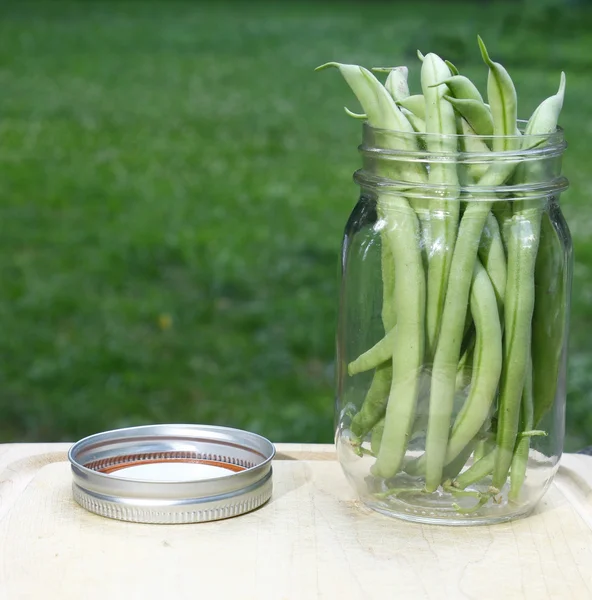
[[451, 353]]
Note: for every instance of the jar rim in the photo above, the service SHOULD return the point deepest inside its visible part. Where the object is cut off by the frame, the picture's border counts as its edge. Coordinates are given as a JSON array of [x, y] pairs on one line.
[[472, 193], [407, 152]]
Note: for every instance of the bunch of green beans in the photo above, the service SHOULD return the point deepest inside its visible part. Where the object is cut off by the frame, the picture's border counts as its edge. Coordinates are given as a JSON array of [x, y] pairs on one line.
[[458, 283]]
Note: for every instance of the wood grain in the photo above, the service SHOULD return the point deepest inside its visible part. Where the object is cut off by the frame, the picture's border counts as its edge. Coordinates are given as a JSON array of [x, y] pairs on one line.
[[312, 540]]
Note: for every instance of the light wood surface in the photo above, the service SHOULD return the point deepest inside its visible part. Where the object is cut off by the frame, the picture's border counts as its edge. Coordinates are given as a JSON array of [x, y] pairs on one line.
[[312, 540]]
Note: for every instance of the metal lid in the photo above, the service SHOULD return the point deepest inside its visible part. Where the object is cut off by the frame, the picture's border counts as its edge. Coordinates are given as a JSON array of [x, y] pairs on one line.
[[172, 473]]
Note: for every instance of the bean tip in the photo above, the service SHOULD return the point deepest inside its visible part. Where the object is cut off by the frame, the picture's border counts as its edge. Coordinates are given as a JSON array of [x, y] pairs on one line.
[[486, 59], [351, 369], [452, 68], [327, 66], [562, 82]]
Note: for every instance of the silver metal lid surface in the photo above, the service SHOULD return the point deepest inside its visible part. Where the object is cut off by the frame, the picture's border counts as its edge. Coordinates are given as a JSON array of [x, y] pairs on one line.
[[172, 473]]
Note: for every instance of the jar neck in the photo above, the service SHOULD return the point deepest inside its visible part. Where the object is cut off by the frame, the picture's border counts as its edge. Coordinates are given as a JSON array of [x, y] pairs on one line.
[[445, 166]]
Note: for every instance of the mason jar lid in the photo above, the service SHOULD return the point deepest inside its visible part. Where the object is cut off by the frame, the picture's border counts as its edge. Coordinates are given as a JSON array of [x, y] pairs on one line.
[[172, 473]]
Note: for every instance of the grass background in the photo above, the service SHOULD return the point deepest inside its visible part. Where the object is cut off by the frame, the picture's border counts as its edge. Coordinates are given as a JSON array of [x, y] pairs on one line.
[[174, 182]]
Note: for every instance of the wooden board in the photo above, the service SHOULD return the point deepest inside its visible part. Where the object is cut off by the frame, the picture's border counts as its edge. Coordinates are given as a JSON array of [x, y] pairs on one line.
[[312, 540]]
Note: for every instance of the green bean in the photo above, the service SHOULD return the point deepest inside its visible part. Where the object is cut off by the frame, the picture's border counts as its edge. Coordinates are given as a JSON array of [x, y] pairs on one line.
[[464, 370], [491, 250], [417, 123], [401, 234], [448, 349], [523, 243], [519, 305], [493, 257], [487, 364], [462, 88], [383, 113], [414, 104], [550, 317], [532, 433], [501, 94], [413, 107], [453, 468], [408, 352], [376, 437], [475, 112], [476, 472], [502, 98], [544, 119], [374, 405], [502, 210], [396, 83], [381, 352], [520, 458], [483, 447], [473, 144], [355, 115], [389, 310], [421, 419], [452, 68], [378, 105], [439, 119]]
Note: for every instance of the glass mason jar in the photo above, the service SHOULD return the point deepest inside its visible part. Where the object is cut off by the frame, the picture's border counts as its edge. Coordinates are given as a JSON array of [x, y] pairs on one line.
[[453, 321]]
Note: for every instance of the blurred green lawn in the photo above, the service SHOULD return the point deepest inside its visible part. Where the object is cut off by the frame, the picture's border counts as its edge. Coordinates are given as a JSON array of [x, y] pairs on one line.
[[174, 182]]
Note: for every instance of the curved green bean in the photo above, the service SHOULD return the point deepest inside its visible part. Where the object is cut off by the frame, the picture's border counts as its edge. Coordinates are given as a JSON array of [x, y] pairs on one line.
[[476, 472], [462, 87], [503, 102], [520, 458], [381, 352], [523, 244], [439, 119], [473, 144], [487, 365], [401, 234], [549, 320], [414, 104], [518, 307], [417, 123], [464, 370], [374, 405], [452, 469], [452, 68], [476, 114], [408, 352], [376, 437], [502, 98], [493, 257]]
